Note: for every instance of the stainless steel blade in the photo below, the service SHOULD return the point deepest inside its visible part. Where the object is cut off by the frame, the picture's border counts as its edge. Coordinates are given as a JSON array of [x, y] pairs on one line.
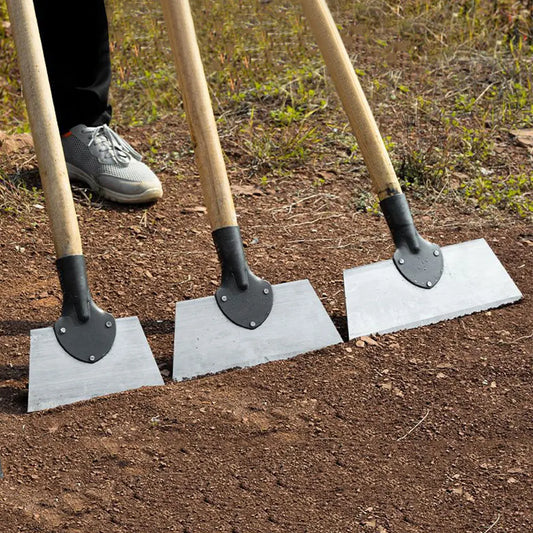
[[379, 300], [206, 342], [56, 378]]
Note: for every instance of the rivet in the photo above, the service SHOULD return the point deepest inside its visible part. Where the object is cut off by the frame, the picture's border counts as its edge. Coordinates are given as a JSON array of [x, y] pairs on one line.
[[401, 261], [252, 324], [266, 291], [92, 358], [108, 324], [224, 298], [62, 330], [436, 253], [429, 284]]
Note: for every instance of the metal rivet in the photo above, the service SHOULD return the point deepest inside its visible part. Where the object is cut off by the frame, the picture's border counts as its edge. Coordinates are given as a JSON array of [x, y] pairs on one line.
[[224, 298], [108, 324], [62, 330], [266, 291], [401, 261], [92, 358], [252, 324], [436, 253], [429, 284]]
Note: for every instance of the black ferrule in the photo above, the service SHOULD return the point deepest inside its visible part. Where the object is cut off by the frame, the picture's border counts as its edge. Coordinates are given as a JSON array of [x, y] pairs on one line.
[[230, 250], [73, 279], [400, 221]]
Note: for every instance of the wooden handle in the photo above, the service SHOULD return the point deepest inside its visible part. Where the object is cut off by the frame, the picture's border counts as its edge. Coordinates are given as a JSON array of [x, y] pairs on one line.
[[193, 85], [45, 132], [353, 99]]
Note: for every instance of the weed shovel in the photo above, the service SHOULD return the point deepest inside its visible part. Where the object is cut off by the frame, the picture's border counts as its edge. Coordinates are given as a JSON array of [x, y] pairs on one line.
[[248, 321], [86, 353], [423, 283]]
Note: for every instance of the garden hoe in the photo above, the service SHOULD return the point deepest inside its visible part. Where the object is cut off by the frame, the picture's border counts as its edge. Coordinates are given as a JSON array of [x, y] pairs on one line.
[[422, 283], [86, 353], [247, 321]]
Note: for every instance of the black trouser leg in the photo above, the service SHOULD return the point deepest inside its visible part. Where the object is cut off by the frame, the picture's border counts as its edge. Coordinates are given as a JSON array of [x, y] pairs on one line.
[[75, 40]]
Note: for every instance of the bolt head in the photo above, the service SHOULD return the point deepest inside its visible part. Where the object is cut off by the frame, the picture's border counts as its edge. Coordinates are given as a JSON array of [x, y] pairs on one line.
[[436, 253], [266, 291], [62, 330], [401, 261], [224, 298], [108, 324], [252, 324], [92, 358], [429, 284]]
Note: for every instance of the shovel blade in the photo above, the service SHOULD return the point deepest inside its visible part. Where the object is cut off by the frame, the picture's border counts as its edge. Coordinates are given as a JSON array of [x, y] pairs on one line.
[[57, 379], [206, 342], [379, 300]]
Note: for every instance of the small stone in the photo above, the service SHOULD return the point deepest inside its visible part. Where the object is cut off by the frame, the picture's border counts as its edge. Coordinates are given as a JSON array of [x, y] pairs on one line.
[[360, 343], [469, 497], [440, 375], [369, 341], [512, 480], [492, 384]]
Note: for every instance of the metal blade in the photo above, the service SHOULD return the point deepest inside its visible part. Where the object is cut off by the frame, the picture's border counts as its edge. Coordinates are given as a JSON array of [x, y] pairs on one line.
[[56, 378], [379, 300], [207, 342]]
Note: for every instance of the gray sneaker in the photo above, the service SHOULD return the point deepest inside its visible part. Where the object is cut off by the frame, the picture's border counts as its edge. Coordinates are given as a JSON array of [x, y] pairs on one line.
[[109, 165]]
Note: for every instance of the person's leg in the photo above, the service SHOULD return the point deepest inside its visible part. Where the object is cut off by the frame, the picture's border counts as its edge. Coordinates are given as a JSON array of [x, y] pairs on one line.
[[75, 41]]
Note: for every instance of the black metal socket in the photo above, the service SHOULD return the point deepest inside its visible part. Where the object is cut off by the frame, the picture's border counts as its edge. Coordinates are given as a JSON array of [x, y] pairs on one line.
[[84, 331], [419, 261], [244, 298]]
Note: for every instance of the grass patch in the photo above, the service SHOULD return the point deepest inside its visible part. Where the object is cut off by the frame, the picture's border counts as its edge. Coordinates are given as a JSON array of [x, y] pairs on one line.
[[514, 193], [17, 198], [446, 81]]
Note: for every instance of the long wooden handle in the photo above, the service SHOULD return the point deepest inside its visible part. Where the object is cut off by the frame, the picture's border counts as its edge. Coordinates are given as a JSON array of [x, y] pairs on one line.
[[43, 123], [353, 99], [193, 85]]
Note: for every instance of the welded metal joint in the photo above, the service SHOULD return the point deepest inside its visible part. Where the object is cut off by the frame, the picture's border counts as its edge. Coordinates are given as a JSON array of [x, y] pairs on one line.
[[244, 298], [83, 330], [419, 261]]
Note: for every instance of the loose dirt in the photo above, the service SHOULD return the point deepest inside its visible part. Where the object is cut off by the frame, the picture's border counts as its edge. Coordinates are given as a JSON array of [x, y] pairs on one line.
[[427, 430]]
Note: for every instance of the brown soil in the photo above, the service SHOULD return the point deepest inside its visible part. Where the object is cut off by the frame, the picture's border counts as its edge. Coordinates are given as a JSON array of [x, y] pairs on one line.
[[427, 430]]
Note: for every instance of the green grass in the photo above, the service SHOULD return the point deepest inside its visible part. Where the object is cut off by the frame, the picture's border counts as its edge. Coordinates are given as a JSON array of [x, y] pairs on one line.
[[446, 81]]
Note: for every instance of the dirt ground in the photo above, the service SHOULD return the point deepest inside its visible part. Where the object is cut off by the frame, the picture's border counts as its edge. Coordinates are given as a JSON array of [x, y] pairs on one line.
[[427, 430]]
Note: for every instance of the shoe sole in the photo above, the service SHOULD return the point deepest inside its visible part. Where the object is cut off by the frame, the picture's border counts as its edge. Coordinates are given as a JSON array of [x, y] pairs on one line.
[[149, 195]]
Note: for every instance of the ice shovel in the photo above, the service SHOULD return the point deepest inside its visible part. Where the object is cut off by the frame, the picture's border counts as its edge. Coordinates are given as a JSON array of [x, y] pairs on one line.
[[248, 321], [422, 283], [86, 353]]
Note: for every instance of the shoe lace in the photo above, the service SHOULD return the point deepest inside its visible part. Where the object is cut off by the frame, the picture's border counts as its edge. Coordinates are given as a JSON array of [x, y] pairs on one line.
[[111, 145]]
